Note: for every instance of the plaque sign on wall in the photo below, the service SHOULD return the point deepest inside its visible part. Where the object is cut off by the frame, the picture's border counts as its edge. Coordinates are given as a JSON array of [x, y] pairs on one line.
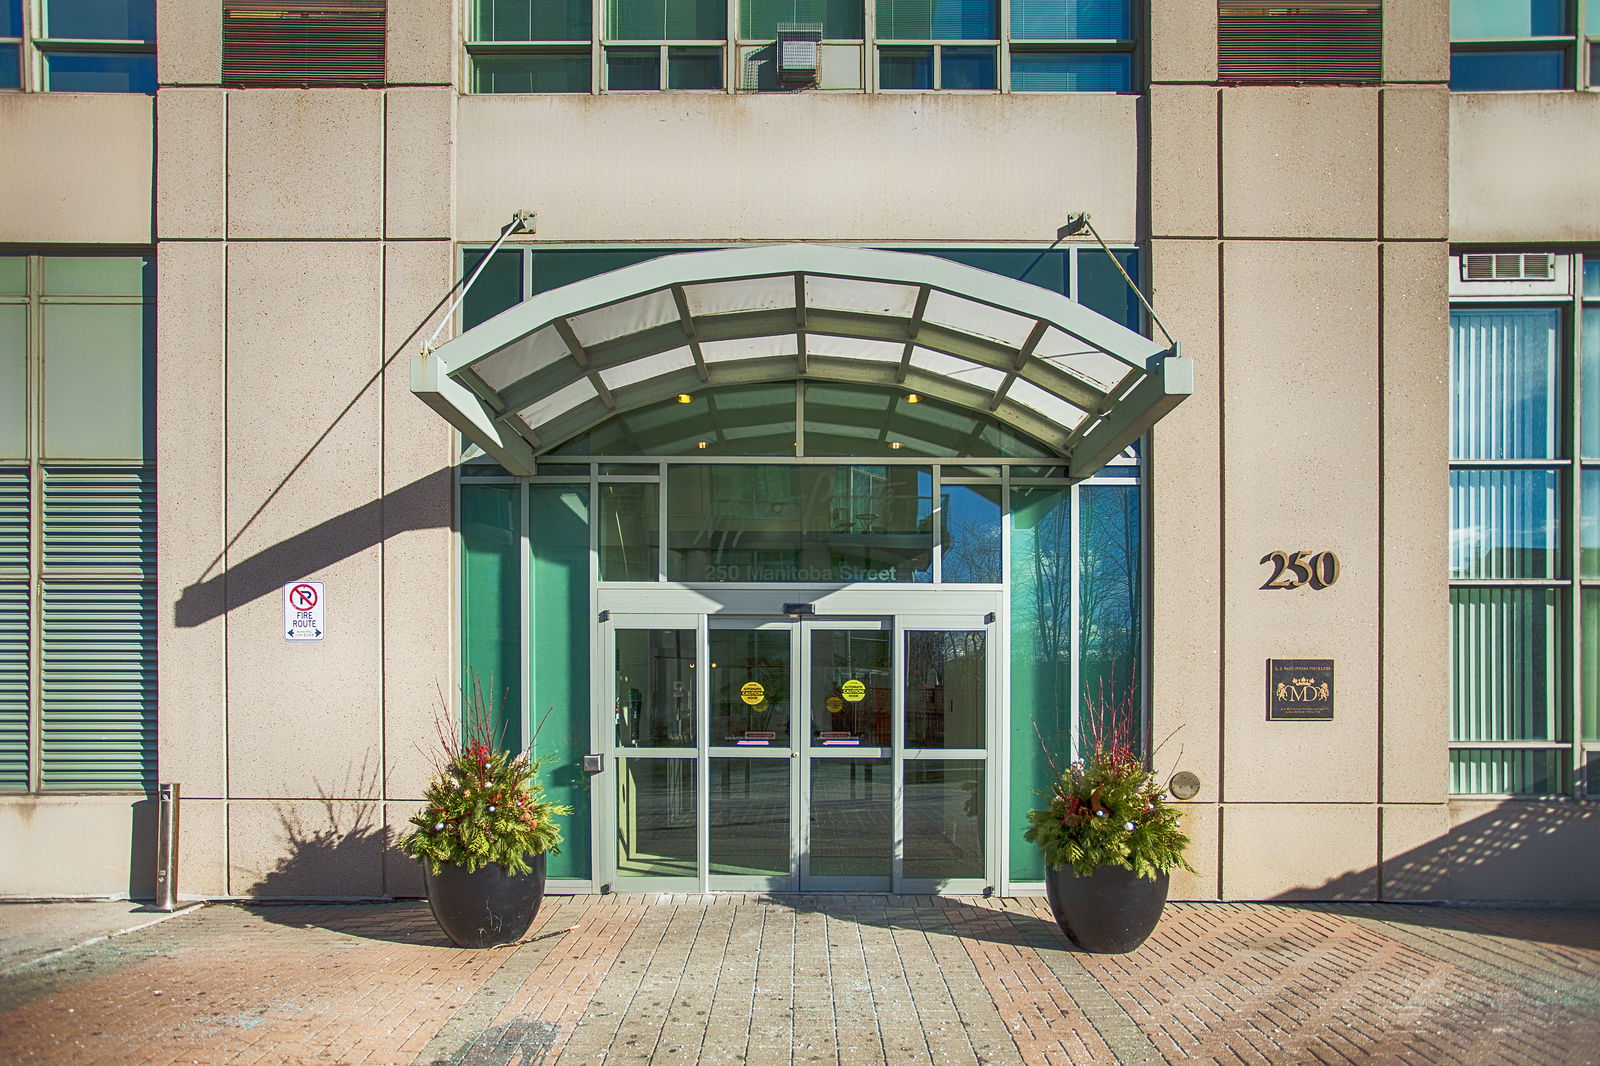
[[1299, 690]]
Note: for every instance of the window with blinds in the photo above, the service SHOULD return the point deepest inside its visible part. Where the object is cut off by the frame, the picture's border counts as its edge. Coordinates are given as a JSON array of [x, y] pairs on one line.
[[309, 43], [1328, 42], [1525, 543], [77, 525]]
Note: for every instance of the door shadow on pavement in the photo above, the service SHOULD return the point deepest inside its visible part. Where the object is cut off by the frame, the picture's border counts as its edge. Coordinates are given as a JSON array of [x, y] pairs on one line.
[[952, 915], [400, 922]]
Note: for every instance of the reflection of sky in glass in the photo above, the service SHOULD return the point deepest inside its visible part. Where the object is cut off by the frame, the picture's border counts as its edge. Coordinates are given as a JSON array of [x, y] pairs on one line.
[[1109, 597], [1503, 369], [112, 20], [971, 529], [1503, 523]]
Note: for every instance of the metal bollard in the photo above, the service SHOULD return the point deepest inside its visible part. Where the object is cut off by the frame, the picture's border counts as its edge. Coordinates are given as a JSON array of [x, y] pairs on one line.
[[167, 848]]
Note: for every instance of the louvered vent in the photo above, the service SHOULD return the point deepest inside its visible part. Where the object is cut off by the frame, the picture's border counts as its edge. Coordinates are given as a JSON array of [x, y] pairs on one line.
[[286, 44], [1328, 42], [1508, 266]]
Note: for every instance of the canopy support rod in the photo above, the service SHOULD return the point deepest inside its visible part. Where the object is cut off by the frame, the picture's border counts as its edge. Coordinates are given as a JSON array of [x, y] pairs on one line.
[[520, 220], [1077, 224]]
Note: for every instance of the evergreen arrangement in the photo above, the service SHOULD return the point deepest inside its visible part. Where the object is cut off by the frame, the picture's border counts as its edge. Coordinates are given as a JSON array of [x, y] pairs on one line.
[[1108, 809], [482, 804]]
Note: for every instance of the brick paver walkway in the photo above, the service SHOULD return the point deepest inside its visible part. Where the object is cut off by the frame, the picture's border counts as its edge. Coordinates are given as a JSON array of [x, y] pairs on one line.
[[775, 980]]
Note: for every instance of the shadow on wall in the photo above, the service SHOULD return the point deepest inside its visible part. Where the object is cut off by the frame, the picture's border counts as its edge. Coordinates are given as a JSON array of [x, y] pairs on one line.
[[1526, 851], [330, 847]]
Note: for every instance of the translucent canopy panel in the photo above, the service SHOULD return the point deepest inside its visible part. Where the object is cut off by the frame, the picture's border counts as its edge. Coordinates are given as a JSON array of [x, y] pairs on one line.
[[619, 348]]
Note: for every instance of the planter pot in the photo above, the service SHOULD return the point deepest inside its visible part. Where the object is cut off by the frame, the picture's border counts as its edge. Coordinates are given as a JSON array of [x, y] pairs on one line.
[[487, 906], [1110, 912]]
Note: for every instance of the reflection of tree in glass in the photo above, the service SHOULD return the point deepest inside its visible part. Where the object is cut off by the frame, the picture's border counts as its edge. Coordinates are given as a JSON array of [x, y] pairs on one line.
[[971, 520], [1109, 595]]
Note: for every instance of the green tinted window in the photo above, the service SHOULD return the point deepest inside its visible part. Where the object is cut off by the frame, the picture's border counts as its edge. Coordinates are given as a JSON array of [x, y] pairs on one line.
[[13, 381], [97, 276], [94, 380], [531, 20], [531, 72], [13, 275], [497, 289], [657, 20], [840, 19]]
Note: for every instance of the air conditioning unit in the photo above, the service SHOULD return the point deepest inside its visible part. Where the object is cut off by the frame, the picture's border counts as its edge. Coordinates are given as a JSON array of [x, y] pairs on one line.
[[1495, 275], [799, 50]]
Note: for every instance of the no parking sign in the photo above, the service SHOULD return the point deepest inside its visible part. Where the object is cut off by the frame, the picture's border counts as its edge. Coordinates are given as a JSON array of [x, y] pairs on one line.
[[302, 611]]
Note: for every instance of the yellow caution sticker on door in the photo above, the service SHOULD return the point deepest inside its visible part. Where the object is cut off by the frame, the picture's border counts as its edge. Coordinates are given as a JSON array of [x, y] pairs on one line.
[[834, 704], [854, 691], [752, 693]]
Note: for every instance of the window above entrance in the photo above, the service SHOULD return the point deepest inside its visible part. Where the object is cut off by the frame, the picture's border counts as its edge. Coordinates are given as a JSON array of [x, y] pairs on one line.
[[863, 323]]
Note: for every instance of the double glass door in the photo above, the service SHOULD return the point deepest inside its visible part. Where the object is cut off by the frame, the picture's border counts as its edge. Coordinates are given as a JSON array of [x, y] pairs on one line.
[[845, 754]]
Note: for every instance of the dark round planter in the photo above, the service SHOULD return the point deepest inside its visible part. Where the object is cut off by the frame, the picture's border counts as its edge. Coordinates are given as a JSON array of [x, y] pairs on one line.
[[1110, 912], [488, 906]]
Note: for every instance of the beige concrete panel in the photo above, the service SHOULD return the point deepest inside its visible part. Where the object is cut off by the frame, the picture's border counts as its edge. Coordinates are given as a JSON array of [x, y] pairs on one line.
[[1416, 41], [76, 168], [1203, 824], [1183, 460], [1300, 387], [296, 849], [402, 876], [304, 441], [1183, 40], [305, 163], [1416, 153], [1522, 167], [1286, 851], [78, 846], [418, 505], [1415, 844], [422, 40], [1183, 161], [190, 435], [202, 849], [419, 157], [190, 32], [1416, 515], [1299, 162], [191, 163], [790, 166], [1524, 850]]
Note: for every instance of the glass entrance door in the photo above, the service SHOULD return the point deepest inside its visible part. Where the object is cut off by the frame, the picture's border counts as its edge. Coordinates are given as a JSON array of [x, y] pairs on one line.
[[843, 754]]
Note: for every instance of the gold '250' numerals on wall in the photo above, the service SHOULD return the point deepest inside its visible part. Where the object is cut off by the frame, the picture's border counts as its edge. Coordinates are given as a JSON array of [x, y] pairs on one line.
[[1290, 570]]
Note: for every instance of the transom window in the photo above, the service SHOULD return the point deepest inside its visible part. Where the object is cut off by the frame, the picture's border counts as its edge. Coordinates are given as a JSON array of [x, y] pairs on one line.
[[616, 46], [96, 46], [1524, 44]]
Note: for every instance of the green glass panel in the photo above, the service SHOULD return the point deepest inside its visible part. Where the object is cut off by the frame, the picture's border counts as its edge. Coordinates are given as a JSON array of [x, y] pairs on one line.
[[799, 523], [630, 532], [944, 818], [13, 680], [1507, 665], [98, 276], [13, 275], [1487, 771], [96, 389], [839, 656], [840, 19], [1589, 417], [562, 266], [967, 68], [655, 818], [905, 68], [970, 519], [569, 470], [694, 68], [750, 817], [624, 469], [558, 655], [631, 69], [655, 688], [662, 20], [1103, 289], [866, 421], [740, 714], [851, 817], [1091, 20], [946, 688], [532, 72], [483, 470], [1591, 665], [938, 20], [491, 584], [1479, 19], [497, 289], [1046, 269], [1041, 658], [531, 20], [13, 381], [1110, 633]]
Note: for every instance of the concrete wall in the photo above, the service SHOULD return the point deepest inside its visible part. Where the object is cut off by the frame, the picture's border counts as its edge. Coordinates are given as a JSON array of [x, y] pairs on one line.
[[1522, 168], [76, 168]]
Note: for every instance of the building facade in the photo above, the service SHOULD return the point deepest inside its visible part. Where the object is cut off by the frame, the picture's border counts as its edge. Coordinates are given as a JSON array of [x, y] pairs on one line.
[[804, 457]]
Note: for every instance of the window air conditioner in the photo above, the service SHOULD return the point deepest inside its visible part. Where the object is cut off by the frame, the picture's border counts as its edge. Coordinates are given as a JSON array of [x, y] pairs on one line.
[[798, 48]]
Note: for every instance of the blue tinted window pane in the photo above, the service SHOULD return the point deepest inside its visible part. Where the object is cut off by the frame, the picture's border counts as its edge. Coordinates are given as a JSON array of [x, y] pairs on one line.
[[10, 18], [10, 67], [633, 68], [1071, 72], [1510, 69], [968, 68], [1591, 277], [99, 72], [1103, 289], [496, 289], [117, 20], [943, 20], [1504, 383], [1047, 269], [1102, 20], [1477, 19], [694, 68], [542, 72], [905, 68]]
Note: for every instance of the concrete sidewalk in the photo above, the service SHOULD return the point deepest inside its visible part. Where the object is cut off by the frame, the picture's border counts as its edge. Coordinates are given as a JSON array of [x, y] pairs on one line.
[[31, 930], [819, 979]]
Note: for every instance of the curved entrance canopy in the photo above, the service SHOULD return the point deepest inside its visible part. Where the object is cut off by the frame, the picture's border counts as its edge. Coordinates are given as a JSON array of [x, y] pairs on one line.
[[565, 360]]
